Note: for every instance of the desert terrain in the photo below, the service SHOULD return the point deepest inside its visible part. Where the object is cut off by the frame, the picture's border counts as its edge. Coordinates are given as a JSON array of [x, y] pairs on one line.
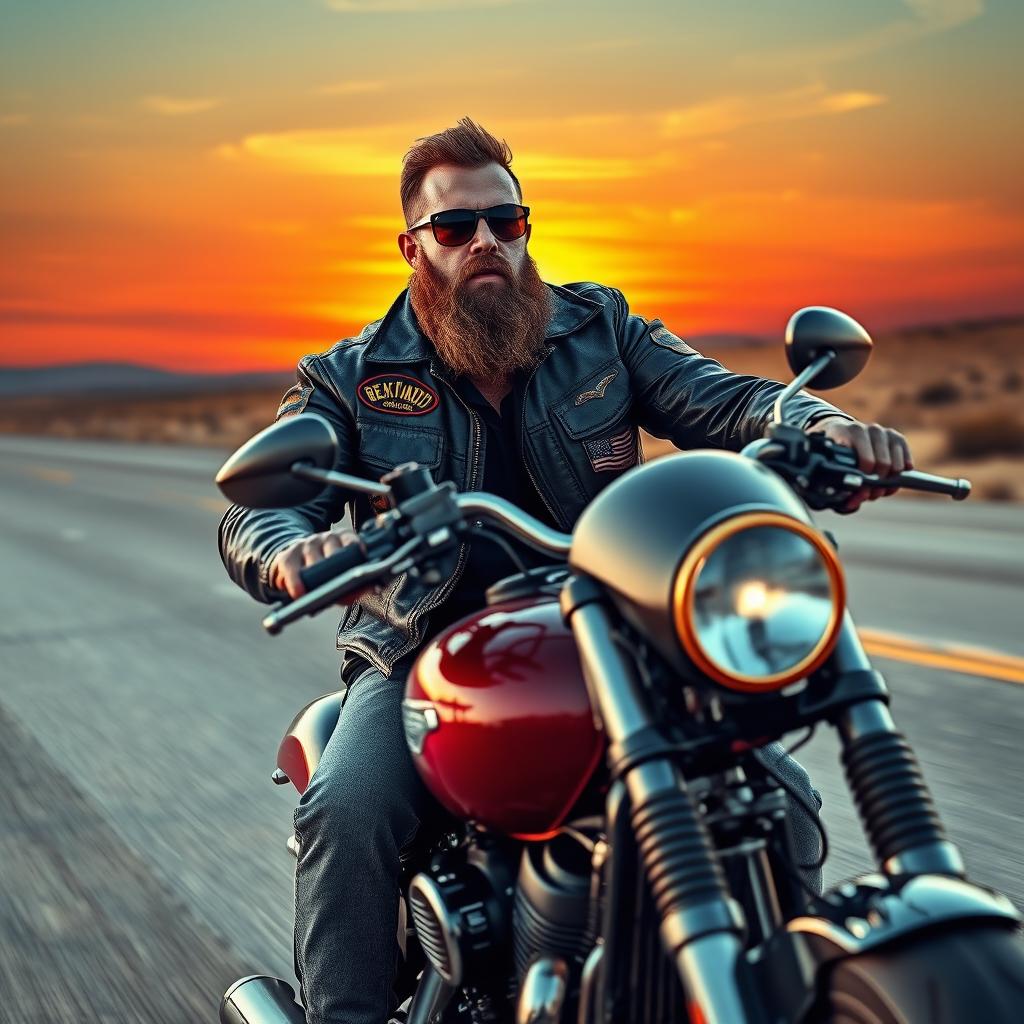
[[956, 391]]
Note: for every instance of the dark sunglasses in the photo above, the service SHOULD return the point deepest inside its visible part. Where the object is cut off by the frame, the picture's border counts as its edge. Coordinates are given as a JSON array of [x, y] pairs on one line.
[[456, 227]]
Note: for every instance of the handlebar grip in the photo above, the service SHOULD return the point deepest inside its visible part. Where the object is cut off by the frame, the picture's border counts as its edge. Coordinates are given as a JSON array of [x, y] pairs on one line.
[[956, 488], [334, 565]]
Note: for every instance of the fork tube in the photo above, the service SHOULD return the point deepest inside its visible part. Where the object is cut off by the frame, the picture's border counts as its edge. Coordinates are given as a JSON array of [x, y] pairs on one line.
[[701, 927], [885, 778]]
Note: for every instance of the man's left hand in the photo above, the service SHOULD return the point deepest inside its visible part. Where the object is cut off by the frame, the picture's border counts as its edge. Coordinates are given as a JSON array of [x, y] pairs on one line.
[[879, 449]]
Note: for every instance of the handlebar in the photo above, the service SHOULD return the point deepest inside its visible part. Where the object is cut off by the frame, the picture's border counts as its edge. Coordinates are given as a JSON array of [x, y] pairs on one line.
[[334, 565], [845, 460], [825, 474], [429, 524], [431, 520], [340, 587], [957, 488]]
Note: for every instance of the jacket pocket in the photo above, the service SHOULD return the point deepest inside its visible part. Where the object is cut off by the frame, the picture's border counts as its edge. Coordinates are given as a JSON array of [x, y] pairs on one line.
[[595, 402], [382, 446]]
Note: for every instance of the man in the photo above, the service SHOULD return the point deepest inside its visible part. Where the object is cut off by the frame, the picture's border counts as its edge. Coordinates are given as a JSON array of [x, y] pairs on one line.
[[498, 382]]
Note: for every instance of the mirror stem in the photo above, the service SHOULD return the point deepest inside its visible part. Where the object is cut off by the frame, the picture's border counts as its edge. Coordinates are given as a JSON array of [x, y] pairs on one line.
[[305, 471], [805, 376]]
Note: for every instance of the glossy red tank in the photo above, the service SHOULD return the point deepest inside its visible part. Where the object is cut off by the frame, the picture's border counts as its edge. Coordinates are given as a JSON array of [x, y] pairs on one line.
[[498, 706]]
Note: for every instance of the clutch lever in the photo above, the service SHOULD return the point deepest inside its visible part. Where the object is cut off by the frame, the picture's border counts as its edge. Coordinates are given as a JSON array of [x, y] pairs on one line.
[[332, 591]]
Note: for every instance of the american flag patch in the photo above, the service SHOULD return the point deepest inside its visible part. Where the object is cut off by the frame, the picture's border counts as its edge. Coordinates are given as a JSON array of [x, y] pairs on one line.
[[611, 453]]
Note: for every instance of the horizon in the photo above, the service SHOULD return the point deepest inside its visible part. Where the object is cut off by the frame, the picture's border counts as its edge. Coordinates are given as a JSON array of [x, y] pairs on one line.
[[212, 209], [723, 339]]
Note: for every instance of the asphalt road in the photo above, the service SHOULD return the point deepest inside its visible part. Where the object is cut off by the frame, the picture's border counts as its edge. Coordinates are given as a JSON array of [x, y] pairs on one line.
[[142, 861]]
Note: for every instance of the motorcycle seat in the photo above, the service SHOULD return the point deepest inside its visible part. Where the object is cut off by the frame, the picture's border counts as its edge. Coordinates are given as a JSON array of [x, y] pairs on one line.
[[304, 742]]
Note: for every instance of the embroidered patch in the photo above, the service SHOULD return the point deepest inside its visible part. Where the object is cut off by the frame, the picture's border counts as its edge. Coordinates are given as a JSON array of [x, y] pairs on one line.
[[398, 394], [294, 401], [612, 453], [664, 337], [598, 392]]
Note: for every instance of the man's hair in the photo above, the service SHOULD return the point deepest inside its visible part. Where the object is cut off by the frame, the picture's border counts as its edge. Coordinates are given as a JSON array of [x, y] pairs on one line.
[[466, 145]]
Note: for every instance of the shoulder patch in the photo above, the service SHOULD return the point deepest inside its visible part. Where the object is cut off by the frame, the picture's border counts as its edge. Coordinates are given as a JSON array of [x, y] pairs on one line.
[[664, 337], [294, 401], [397, 394]]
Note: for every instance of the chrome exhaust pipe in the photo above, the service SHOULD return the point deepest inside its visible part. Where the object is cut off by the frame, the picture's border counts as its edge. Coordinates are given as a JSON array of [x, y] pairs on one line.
[[259, 999]]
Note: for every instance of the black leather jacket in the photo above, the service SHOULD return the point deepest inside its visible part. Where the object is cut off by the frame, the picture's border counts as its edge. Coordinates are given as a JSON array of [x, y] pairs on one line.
[[391, 400]]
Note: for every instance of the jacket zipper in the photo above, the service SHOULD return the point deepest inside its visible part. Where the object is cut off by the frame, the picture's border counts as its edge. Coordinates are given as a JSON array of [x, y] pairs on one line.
[[432, 601], [522, 442]]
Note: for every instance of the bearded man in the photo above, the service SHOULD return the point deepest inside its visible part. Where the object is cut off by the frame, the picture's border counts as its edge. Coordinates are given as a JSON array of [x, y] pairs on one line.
[[498, 382]]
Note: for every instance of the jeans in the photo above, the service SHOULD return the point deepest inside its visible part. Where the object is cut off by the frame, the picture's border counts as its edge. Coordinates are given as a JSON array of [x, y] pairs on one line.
[[363, 804], [361, 808]]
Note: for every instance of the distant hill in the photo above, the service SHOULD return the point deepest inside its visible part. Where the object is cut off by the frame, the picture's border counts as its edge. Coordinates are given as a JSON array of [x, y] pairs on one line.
[[712, 341], [128, 378]]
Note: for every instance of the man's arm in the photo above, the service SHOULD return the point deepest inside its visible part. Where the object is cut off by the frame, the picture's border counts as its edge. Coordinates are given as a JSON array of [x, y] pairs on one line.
[[692, 399], [697, 403], [264, 549]]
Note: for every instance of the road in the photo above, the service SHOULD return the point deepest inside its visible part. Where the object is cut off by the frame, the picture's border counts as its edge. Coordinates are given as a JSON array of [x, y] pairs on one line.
[[142, 861]]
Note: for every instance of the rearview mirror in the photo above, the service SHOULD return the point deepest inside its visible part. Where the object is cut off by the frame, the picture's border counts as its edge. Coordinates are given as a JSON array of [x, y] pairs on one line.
[[259, 474], [814, 330]]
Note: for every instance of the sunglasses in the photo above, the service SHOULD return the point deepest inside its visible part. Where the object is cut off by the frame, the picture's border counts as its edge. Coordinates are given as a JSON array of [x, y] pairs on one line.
[[456, 227]]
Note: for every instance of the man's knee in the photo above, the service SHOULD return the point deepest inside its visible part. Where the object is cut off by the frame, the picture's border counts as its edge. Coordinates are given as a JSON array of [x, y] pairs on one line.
[[360, 807]]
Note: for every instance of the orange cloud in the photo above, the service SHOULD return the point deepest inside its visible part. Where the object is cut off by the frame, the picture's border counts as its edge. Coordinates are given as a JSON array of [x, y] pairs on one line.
[[368, 153], [178, 106], [354, 87], [730, 113]]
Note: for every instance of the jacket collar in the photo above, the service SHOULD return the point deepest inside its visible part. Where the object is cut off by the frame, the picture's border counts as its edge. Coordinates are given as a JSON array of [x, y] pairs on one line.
[[399, 339]]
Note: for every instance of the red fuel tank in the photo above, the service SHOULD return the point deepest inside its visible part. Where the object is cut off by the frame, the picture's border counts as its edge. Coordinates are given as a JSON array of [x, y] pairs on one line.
[[498, 718]]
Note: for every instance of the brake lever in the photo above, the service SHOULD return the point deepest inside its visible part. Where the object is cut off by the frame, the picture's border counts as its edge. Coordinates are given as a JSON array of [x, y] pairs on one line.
[[825, 473]]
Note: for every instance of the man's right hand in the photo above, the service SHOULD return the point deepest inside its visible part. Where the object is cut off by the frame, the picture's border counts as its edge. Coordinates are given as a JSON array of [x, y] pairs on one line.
[[289, 561]]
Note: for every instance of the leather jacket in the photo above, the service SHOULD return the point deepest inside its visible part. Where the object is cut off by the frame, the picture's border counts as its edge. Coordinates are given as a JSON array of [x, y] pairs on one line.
[[605, 373]]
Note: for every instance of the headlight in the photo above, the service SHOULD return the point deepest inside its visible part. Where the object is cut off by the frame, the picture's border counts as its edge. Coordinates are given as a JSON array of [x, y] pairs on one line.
[[758, 601]]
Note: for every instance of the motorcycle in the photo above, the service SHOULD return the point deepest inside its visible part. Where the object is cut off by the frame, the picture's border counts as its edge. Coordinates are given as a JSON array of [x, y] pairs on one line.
[[640, 868]]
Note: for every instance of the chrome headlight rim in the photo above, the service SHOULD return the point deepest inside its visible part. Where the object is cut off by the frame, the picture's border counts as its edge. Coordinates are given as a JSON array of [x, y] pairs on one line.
[[684, 591]]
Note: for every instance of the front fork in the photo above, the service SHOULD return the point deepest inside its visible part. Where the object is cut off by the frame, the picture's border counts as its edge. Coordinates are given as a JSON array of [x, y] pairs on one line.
[[702, 927], [890, 793]]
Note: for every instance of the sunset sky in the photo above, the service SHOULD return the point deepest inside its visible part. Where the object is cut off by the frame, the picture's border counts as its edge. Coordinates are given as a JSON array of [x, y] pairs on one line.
[[213, 184]]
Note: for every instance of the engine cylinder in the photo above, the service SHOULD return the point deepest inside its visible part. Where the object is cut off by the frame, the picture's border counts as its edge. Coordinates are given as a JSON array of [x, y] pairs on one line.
[[458, 916], [550, 914]]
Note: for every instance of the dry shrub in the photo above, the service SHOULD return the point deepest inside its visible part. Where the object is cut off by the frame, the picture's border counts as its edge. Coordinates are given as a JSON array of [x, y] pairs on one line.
[[986, 433], [939, 392], [995, 490]]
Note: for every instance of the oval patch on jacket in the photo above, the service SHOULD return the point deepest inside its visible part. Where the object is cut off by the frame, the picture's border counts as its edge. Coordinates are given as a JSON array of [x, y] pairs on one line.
[[398, 394]]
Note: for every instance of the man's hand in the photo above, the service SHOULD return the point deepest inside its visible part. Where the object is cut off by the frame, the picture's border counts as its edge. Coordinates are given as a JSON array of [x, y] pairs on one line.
[[879, 449], [289, 561]]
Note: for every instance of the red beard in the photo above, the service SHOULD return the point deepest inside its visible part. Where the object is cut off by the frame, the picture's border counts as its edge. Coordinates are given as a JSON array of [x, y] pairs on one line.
[[487, 332]]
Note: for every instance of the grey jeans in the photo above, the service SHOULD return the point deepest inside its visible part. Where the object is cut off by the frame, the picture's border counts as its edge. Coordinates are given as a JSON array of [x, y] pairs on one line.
[[362, 806]]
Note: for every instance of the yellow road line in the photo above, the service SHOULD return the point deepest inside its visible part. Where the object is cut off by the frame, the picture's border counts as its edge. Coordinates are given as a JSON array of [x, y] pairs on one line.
[[50, 474], [971, 661]]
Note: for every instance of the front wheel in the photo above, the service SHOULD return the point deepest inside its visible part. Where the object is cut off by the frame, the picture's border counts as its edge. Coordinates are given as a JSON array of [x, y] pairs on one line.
[[973, 974]]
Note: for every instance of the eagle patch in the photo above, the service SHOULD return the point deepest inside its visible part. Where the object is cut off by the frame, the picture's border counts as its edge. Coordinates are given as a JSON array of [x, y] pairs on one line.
[[597, 392]]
